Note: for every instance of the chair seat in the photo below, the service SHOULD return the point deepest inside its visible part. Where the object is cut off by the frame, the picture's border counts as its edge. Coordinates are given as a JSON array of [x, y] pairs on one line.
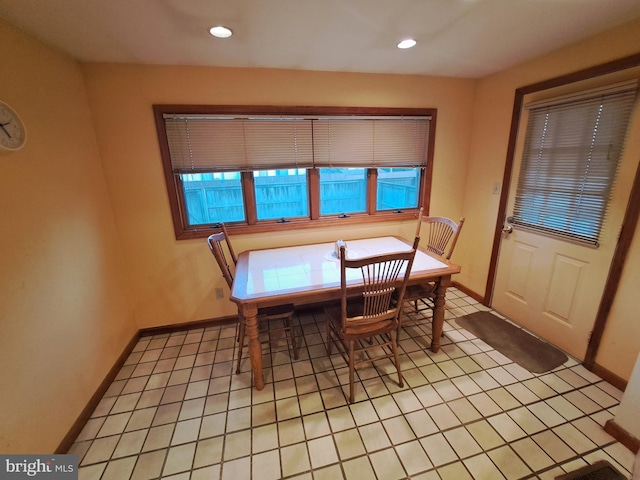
[[277, 311], [351, 331], [417, 292]]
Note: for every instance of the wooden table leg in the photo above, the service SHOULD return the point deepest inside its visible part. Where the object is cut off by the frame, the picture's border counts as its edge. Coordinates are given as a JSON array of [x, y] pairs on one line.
[[437, 321], [250, 313]]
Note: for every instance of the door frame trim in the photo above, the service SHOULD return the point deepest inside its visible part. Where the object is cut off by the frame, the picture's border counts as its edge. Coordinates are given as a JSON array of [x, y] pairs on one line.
[[631, 214]]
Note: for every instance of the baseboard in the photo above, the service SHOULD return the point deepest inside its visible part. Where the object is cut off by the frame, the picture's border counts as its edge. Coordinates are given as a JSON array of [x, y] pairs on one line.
[[95, 399], [84, 416], [621, 435], [176, 327], [228, 320], [607, 375], [612, 378], [471, 293]]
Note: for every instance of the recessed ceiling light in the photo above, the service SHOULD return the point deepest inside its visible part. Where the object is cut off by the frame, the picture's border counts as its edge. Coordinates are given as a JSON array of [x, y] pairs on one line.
[[220, 32], [410, 42]]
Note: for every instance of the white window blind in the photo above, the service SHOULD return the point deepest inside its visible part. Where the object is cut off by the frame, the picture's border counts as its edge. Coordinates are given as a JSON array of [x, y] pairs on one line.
[[200, 143], [204, 144], [571, 155], [371, 142]]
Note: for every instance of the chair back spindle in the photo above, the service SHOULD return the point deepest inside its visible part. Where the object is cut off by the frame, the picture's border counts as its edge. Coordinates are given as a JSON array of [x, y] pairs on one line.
[[373, 313], [380, 276], [439, 233]]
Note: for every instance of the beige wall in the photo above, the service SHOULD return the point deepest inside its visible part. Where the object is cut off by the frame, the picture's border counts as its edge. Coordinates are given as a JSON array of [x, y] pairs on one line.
[[65, 312], [173, 281], [88, 250], [494, 101]]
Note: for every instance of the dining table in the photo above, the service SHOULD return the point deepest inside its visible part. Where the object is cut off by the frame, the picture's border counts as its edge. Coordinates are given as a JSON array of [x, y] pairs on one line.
[[310, 274]]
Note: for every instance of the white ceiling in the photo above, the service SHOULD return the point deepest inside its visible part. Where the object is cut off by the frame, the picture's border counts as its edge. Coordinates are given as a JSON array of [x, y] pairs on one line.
[[458, 38]]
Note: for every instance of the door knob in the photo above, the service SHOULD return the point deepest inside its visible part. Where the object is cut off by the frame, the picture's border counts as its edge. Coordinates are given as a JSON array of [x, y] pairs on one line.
[[507, 229]]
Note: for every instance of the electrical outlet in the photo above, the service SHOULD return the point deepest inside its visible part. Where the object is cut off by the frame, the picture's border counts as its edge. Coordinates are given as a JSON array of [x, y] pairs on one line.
[[219, 293]]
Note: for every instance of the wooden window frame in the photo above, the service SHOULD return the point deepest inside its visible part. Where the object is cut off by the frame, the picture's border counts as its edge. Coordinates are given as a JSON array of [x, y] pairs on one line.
[[315, 220]]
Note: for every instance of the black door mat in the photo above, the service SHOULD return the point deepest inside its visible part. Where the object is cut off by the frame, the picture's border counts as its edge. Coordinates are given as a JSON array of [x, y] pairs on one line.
[[601, 470], [513, 342]]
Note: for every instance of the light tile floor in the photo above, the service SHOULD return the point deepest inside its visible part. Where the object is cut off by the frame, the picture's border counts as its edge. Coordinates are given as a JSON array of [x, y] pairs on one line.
[[177, 411]]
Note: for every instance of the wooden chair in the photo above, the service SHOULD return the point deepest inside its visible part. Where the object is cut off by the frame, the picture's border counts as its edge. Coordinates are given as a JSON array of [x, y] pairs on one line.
[[281, 313], [372, 313], [442, 235]]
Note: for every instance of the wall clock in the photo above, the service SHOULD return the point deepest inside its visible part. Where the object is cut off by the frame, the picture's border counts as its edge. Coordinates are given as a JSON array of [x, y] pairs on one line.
[[12, 131]]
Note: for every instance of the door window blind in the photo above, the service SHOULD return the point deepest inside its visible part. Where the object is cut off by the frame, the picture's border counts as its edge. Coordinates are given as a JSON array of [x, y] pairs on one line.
[[571, 155]]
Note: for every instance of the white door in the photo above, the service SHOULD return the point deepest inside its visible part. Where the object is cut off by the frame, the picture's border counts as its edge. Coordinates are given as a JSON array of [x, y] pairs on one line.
[[553, 286]]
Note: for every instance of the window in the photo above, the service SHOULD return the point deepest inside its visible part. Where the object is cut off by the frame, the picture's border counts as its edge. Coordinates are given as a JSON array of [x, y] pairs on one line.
[[281, 194], [398, 188], [263, 168], [571, 155], [212, 197], [343, 191]]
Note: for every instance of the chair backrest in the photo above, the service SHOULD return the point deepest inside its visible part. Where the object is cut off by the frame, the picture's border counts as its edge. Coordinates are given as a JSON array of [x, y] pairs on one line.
[[216, 242], [382, 275], [439, 232]]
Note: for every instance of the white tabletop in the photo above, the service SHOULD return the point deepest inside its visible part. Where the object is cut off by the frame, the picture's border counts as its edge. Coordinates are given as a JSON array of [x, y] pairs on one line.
[[304, 267]]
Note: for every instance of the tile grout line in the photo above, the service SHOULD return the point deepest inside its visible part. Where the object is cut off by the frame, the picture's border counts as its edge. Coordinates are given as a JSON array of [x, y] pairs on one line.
[[332, 369]]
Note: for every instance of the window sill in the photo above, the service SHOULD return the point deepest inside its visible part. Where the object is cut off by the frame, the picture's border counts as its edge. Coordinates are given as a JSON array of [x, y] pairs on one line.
[[298, 224]]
